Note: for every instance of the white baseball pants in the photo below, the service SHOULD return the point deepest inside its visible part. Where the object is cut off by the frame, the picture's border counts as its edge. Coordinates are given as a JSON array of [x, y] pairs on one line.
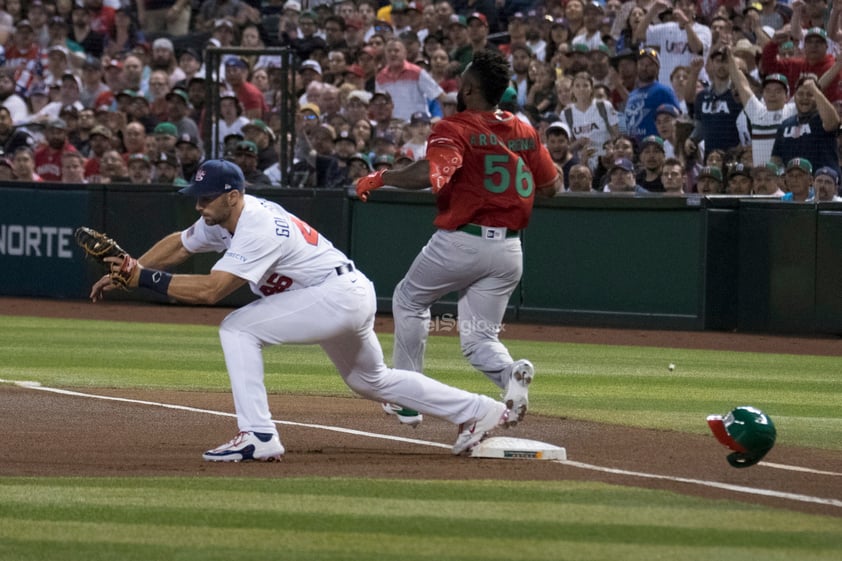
[[339, 316], [484, 272]]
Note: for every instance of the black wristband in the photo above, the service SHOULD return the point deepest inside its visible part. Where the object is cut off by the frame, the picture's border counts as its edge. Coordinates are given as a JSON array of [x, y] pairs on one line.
[[159, 281]]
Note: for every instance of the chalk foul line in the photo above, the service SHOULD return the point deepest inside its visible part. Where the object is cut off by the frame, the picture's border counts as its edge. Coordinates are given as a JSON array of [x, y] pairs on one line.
[[701, 482], [713, 484], [39, 387]]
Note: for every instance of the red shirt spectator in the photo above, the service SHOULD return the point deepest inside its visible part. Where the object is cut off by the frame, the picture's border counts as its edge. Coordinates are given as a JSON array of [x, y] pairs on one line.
[[92, 168], [254, 103], [48, 156], [100, 140], [102, 17], [815, 60]]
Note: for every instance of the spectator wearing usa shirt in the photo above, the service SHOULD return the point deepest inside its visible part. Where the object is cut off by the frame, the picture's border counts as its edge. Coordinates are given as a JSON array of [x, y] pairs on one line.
[[678, 41], [811, 133], [716, 108]]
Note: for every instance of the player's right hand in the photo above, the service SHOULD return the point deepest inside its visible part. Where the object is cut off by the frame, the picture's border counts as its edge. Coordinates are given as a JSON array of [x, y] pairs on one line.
[[368, 183], [100, 287]]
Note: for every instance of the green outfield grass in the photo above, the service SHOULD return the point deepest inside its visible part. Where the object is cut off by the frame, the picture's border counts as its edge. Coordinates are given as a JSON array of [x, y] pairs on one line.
[[302, 519], [306, 519], [616, 384]]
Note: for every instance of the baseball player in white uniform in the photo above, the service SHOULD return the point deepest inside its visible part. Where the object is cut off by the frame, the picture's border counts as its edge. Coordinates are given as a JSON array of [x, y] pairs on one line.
[[311, 293]]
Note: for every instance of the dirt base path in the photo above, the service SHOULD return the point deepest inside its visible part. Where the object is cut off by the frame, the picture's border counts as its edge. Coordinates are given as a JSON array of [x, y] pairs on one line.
[[82, 436]]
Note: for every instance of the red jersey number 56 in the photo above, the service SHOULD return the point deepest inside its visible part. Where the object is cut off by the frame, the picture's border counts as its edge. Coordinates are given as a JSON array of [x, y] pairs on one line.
[[498, 174]]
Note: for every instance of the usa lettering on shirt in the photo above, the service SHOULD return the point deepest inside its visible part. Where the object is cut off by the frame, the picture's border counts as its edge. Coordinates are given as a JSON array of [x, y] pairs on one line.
[[677, 47], [797, 131], [714, 107]]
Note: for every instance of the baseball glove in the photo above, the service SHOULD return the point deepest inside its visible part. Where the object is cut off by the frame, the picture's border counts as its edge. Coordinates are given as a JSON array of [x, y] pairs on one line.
[[97, 245], [125, 275]]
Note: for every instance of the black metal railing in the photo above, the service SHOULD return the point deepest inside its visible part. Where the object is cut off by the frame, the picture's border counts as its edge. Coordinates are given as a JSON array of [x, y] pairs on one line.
[[286, 106]]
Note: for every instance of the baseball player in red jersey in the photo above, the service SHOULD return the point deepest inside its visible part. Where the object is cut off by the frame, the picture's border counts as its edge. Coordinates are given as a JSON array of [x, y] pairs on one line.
[[485, 166]]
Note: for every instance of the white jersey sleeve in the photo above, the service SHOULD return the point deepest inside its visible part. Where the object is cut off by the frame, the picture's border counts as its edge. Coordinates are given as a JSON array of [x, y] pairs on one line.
[[201, 238], [271, 248]]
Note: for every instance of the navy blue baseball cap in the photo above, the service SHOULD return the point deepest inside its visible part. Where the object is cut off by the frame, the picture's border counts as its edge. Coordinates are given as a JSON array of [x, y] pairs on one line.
[[215, 177], [828, 171]]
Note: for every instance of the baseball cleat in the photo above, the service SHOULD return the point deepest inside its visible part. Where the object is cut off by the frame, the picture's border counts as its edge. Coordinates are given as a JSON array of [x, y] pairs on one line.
[[405, 416], [516, 397], [471, 433], [261, 446]]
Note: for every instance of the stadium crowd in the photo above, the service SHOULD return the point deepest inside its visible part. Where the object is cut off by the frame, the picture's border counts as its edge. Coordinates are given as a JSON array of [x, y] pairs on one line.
[[642, 96]]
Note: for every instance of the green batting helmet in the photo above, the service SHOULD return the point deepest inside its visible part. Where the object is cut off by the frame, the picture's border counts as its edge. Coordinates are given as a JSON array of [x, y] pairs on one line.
[[747, 431]]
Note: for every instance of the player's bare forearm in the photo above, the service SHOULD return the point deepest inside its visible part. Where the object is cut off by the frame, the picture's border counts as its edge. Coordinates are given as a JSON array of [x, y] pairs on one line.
[[414, 176], [203, 289], [551, 189], [165, 254]]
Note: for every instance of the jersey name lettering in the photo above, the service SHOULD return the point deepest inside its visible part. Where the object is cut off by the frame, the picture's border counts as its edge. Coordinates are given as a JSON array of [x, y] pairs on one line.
[[484, 140], [515, 144], [311, 236], [521, 144], [281, 227]]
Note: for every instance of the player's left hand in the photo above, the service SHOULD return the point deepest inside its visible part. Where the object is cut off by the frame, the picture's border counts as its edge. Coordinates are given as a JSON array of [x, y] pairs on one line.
[[124, 270], [368, 183]]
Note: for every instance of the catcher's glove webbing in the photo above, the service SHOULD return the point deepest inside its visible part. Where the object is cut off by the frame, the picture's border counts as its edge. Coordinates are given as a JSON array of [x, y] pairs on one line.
[[97, 245]]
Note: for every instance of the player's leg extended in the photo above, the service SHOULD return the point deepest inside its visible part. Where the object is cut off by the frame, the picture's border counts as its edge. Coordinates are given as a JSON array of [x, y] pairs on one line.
[[482, 306], [481, 309], [298, 316], [443, 266], [358, 356]]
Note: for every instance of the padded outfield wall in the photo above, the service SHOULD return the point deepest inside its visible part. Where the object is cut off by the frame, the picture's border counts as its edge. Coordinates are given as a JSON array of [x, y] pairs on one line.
[[653, 262]]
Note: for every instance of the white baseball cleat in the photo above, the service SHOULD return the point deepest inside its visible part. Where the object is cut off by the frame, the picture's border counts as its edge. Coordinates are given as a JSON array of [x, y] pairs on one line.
[[472, 432], [405, 416], [261, 446], [516, 397]]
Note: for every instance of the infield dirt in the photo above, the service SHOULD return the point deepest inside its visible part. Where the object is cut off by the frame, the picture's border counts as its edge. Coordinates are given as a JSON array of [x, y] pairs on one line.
[[79, 436]]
